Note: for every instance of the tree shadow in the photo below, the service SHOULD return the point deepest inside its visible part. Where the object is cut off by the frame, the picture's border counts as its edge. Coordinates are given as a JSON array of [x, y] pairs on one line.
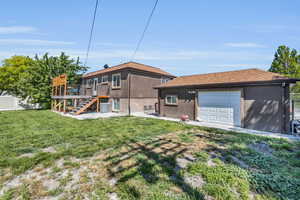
[[159, 152]]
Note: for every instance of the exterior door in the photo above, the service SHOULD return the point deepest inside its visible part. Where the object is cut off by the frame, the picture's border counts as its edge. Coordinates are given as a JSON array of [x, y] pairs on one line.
[[95, 82], [220, 107]]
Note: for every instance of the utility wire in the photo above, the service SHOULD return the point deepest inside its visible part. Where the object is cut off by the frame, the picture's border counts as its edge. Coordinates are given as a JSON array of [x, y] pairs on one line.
[[91, 33], [145, 29]]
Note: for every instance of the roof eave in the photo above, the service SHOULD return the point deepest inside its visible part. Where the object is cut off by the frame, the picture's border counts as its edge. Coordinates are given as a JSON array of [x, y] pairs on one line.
[[89, 76], [279, 81]]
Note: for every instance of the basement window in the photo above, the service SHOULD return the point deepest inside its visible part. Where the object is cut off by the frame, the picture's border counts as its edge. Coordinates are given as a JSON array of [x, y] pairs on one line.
[[171, 99], [116, 104], [116, 80]]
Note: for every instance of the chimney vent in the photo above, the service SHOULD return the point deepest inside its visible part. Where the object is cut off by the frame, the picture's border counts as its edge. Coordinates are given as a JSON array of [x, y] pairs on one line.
[[105, 66]]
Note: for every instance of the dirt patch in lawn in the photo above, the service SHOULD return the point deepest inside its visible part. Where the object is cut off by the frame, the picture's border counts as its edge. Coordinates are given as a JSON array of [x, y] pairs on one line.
[[75, 178], [261, 147], [173, 166]]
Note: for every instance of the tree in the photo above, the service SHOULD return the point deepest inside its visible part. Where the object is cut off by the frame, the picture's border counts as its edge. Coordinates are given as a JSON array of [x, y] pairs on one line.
[[12, 71], [287, 62], [38, 80]]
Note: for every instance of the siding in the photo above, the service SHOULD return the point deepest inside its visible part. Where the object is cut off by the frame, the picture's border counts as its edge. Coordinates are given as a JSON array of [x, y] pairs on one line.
[[14, 103], [143, 83], [185, 106], [142, 91], [264, 108]]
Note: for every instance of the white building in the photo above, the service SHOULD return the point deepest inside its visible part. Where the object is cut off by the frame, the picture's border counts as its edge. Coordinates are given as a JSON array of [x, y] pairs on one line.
[[8, 102]]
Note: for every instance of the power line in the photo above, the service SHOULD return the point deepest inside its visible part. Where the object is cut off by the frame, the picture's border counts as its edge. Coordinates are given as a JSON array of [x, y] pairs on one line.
[[145, 29], [91, 33]]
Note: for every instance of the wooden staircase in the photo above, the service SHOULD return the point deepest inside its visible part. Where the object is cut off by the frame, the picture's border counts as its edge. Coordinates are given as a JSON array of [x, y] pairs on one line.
[[82, 107]]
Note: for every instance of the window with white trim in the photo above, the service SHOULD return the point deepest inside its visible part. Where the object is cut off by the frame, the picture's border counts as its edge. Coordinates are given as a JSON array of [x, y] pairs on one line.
[[164, 80], [116, 104], [116, 81], [171, 99], [104, 79]]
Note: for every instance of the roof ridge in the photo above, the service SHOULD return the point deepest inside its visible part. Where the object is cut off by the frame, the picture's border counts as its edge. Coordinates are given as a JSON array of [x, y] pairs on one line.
[[228, 77], [107, 68], [226, 72], [144, 65], [127, 65]]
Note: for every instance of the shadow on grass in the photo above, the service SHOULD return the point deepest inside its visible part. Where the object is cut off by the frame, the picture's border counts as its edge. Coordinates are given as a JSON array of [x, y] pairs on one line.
[[147, 164]]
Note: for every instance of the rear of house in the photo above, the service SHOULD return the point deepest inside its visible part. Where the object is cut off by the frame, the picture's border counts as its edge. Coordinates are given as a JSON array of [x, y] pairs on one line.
[[252, 98], [127, 87]]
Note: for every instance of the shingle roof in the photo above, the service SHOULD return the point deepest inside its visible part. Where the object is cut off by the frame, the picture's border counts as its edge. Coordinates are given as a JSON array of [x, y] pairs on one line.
[[132, 65], [230, 77]]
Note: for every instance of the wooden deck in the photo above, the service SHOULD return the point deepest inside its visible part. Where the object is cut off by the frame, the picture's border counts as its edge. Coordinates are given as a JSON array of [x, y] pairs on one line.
[[71, 97]]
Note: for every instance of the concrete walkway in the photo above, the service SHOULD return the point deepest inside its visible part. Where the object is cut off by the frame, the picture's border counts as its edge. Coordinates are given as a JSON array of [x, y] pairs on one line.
[[92, 115], [225, 127], [95, 115]]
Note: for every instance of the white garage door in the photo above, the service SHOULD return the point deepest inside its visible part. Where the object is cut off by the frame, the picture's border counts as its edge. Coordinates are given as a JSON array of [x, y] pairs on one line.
[[220, 106]]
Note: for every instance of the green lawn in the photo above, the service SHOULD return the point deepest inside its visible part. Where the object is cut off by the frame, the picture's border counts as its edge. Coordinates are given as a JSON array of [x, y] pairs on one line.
[[138, 158], [24, 132]]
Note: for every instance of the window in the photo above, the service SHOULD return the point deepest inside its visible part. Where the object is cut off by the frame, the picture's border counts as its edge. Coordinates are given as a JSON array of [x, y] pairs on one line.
[[90, 82], [99, 79], [171, 99], [95, 82], [116, 104], [105, 100], [104, 79], [164, 80], [116, 80]]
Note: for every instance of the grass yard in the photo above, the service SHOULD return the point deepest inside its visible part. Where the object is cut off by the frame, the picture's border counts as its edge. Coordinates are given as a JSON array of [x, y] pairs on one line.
[[46, 156]]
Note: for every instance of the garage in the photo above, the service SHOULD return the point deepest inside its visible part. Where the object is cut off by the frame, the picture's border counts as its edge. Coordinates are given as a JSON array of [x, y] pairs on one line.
[[250, 98], [220, 106]]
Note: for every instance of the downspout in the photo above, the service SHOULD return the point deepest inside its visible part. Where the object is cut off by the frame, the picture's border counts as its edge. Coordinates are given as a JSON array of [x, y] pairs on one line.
[[158, 101], [283, 103], [129, 93]]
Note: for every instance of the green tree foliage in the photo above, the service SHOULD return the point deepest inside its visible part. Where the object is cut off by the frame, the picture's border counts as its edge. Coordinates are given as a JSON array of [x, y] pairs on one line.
[[32, 78], [12, 72], [37, 84], [287, 62]]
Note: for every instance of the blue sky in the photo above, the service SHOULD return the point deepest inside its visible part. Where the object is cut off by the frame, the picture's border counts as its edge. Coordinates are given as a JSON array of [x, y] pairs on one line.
[[184, 37]]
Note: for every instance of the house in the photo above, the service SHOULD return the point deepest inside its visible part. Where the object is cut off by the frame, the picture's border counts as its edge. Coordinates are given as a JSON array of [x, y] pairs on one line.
[[128, 87], [251, 98]]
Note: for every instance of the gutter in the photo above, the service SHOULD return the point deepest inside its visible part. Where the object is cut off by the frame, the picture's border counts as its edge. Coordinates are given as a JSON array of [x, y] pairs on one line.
[[129, 93], [217, 85], [87, 76]]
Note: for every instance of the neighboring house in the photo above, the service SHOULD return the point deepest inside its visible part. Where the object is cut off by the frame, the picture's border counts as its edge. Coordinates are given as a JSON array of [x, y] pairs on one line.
[[8, 102], [251, 98], [127, 87]]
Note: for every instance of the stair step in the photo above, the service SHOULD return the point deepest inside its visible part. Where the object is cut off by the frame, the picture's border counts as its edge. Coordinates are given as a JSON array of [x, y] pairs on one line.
[[84, 106]]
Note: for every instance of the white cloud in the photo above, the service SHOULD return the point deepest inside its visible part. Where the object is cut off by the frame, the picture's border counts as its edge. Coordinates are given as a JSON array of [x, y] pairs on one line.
[[194, 56], [17, 29], [245, 45], [33, 42], [110, 44], [268, 28]]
